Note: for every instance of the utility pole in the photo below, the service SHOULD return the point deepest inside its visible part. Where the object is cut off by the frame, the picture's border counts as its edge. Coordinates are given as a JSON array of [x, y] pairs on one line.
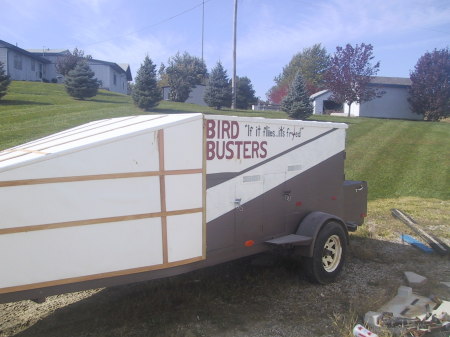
[[203, 25], [233, 80]]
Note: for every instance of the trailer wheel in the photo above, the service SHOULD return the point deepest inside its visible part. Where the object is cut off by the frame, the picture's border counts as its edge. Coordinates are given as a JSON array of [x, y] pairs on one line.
[[329, 253]]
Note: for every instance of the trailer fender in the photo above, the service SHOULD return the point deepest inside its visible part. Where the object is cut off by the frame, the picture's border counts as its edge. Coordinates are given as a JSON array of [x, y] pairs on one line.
[[311, 225]]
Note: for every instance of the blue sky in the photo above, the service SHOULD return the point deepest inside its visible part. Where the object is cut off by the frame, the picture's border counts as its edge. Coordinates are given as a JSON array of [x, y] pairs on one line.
[[270, 32]]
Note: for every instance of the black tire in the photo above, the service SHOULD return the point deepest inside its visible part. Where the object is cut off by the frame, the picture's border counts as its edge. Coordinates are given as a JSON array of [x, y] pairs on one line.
[[330, 250]]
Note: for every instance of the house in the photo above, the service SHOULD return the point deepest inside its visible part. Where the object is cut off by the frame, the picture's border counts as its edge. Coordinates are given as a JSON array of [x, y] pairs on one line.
[[40, 65], [22, 65], [392, 104], [195, 96], [52, 56], [112, 76]]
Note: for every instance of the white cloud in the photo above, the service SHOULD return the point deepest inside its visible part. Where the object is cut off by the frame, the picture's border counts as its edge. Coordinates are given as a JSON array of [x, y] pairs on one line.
[[132, 49], [334, 21]]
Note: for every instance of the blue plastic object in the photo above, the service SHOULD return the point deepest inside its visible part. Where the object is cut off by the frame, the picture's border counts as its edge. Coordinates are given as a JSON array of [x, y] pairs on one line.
[[413, 242]]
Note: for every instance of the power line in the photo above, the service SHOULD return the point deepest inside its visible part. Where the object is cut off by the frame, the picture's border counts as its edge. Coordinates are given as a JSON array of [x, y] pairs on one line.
[[152, 25]]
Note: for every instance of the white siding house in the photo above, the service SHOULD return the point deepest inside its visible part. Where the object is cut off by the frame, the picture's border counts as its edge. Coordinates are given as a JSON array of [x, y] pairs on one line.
[[195, 96], [21, 65], [40, 65], [392, 104], [112, 76], [52, 56]]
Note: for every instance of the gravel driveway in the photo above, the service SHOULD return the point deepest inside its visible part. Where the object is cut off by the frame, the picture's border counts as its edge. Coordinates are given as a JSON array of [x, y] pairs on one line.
[[262, 296]]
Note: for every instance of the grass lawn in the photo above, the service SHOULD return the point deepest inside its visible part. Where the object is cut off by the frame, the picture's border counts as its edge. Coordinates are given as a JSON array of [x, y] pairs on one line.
[[398, 158], [31, 110]]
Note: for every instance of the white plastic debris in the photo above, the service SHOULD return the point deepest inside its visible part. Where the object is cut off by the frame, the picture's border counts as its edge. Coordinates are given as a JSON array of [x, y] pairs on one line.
[[360, 331], [371, 318], [415, 279]]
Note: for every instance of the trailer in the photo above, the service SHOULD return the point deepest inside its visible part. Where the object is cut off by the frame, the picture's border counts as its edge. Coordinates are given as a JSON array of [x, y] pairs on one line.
[[136, 198]]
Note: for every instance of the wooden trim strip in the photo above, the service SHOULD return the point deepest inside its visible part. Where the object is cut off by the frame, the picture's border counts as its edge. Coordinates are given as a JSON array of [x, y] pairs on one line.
[[88, 222], [204, 163], [99, 276], [162, 197], [96, 177], [23, 150]]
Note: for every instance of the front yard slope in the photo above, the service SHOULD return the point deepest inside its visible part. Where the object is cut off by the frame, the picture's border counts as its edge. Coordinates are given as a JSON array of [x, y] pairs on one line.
[[400, 158]]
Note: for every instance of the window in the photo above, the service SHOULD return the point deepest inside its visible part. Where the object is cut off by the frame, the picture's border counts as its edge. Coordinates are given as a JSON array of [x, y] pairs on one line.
[[33, 65], [18, 62], [114, 79]]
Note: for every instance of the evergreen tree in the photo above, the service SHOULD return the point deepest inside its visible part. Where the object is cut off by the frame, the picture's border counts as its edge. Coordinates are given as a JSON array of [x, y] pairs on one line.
[[218, 90], [80, 82], [296, 103], [146, 93], [245, 95], [4, 81]]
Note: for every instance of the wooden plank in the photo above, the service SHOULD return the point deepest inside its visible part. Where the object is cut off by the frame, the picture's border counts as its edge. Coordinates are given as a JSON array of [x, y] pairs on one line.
[[438, 245], [98, 276]]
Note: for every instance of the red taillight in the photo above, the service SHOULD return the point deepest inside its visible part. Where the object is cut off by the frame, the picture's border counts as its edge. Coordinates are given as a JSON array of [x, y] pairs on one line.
[[249, 243]]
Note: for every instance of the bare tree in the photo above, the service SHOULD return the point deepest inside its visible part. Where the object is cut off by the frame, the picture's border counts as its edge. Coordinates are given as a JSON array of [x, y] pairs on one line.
[[68, 62]]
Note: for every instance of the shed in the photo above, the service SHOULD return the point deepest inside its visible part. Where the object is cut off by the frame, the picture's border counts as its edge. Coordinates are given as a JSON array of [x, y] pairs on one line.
[[392, 104]]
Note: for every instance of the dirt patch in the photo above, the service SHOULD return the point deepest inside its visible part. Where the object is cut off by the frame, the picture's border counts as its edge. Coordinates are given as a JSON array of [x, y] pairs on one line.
[[262, 296]]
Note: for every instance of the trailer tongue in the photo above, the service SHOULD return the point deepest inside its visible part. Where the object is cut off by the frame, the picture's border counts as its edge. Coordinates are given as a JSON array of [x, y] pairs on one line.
[[143, 197]]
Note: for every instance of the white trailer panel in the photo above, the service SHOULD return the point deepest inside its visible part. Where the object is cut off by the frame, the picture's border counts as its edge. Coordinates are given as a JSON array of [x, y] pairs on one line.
[[70, 253], [113, 197]]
